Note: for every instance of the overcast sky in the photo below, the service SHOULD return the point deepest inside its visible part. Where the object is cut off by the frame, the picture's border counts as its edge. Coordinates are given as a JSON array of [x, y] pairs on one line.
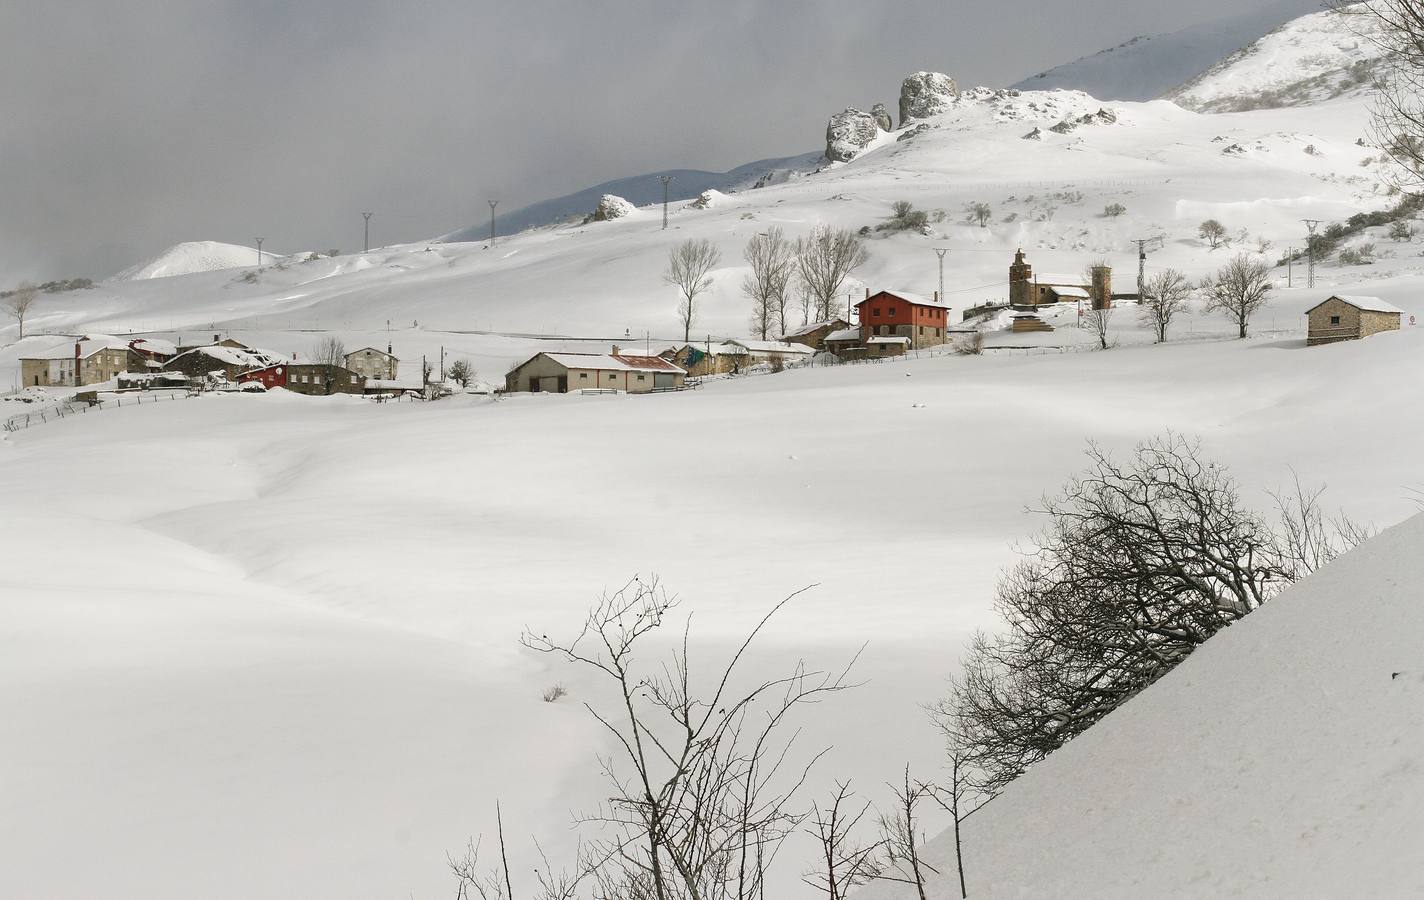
[[130, 125]]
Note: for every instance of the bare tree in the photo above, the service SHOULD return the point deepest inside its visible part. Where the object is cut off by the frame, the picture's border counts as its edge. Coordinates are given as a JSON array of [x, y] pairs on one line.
[[770, 258], [19, 301], [462, 373], [980, 213], [1166, 295], [1238, 289], [329, 351], [954, 800], [703, 778], [1397, 28], [1142, 562], [903, 840], [689, 270], [823, 261], [844, 862], [1214, 233]]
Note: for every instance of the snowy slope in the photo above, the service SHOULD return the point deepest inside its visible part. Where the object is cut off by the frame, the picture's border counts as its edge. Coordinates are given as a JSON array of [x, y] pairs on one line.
[[1148, 66], [1282, 760], [639, 190], [1307, 60], [189, 258]]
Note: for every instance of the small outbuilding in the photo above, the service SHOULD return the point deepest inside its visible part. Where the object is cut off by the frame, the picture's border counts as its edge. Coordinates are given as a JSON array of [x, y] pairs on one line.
[[706, 358], [814, 334], [1350, 318], [562, 373]]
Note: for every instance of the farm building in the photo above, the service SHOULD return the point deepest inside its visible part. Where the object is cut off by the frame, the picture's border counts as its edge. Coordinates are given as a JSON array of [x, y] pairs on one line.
[[753, 352], [273, 376], [901, 314], [219, 359], [814, 335], [886, 345], [93, 359], [707, 358], [1350, 318], [373, 364], [323, 379], [52, 369], [148, 354], [560, 373], [845, 343]]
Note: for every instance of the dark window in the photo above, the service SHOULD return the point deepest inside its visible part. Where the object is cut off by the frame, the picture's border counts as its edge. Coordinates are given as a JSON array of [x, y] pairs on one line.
[[611, 376], [640, 377], [1334, 320], [875, 312], [583, 375]]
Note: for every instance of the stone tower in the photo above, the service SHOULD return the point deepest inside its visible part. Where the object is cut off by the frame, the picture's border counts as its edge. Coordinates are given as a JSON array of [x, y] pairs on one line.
[[1102, 290], [1021, 282]]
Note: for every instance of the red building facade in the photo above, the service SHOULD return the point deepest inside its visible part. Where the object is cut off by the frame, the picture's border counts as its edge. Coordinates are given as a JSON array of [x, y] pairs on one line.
[[897, 314]]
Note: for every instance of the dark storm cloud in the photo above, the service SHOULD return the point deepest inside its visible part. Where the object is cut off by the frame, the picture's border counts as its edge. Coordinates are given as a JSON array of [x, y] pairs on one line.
[[129, 125]]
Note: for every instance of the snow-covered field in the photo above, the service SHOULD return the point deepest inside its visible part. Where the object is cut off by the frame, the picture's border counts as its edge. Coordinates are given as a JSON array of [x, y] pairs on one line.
[[267, 645]]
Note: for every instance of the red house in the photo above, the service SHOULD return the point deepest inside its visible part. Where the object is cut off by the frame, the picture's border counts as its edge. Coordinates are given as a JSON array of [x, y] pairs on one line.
[[923, 321], [270, 377]]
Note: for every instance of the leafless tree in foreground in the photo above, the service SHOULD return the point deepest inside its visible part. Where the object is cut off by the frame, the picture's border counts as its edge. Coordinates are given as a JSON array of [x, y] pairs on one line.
[[844, 861], [958, 798], [824, 260], [689, 270], [1238, 289], [770, 258], [1141, 563], [1397, 28], [18, 303], [703, 779], [903, 840], [1166, 297]]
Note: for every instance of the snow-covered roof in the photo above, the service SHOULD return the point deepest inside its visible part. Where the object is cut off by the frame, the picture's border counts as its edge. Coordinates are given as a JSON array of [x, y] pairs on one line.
[[609, 362], [1059, 279], [155, 346], [812, 328], [845, 334], [719, 349], [1368, 304], [234, 356], [917, 299], [772, 347], [887, 339], [1066, 291], [94, 343], [373, 350]]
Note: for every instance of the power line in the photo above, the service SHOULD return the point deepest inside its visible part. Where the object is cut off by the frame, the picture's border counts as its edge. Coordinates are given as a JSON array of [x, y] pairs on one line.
[[1311, 225], [492, 205]]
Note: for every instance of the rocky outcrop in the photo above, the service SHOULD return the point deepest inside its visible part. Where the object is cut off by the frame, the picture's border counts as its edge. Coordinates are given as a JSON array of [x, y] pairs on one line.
[[882, 117], [610, 207], [848, 133], [708, 199], [1101, 117], [913, 132], [1035, 135], [926, 94]]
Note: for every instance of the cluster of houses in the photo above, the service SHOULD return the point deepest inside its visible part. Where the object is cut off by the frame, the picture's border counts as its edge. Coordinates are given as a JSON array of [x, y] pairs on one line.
[[145, 362]]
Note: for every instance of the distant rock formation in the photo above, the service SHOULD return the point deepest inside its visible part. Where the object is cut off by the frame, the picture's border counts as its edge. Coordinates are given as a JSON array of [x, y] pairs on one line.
[[926, 94], [882, 117], [1101, 117], [1035, 135], [708, 199], [913, 132], [848, 133], [610, 207]]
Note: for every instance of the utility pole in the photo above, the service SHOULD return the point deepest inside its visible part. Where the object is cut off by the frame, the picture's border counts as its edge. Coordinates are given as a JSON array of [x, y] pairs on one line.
[[1311, 225], [940, 252], [492, 204], [665, 179], [1141, 267], [1290, 266], [367, 244], [442, 363], [259, 253]]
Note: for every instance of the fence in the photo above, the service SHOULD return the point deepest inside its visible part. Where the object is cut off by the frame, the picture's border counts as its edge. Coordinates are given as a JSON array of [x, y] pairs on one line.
[[66, 408]]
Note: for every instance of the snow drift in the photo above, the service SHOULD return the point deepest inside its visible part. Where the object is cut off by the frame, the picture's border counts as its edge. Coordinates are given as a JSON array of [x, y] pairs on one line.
[[189, 258]]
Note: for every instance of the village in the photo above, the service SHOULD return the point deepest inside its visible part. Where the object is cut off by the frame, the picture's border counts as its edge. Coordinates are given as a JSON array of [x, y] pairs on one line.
[[886, 324]]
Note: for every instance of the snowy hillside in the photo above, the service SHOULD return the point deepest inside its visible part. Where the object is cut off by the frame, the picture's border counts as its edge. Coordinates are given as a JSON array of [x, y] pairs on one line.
[[639, 190], [1149, 66], [190, 258], [1307, 60], [1279, 761]]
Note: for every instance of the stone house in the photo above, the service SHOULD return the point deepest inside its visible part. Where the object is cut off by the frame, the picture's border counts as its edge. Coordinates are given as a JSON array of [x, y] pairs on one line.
[[814, 335], [373, 364], [149, 354], [323, 379], [845, 343], [562, 373], [93, 359], [1350, 318], [886, 345], [53, 369], [706, 358], [1027, 289]]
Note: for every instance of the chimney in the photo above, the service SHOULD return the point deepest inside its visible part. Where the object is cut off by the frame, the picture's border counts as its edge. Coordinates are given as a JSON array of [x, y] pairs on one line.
[[216, 338], [616, 350], [867, 292], [936, 296]]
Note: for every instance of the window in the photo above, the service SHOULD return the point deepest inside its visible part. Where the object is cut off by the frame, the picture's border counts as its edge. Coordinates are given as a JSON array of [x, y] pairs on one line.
[[875, 312], [611, 376], [640, 377], [353, 379], [583, 376], [1334, 320]]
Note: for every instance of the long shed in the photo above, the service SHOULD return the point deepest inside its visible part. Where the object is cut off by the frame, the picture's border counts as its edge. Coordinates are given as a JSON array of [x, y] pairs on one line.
[[561, 373]]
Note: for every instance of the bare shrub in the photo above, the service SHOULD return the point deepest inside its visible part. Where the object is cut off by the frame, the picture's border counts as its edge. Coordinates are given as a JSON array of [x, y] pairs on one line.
[[554, 693]]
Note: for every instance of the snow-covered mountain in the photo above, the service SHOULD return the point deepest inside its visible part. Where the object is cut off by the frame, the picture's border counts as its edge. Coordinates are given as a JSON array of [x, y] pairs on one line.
[[639, 190], [1149, 66], [1280, 760], [191, 257], [1307, 60]]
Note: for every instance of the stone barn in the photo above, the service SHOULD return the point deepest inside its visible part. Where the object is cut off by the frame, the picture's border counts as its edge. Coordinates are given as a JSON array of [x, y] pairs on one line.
[[1350, 318], [814, 335]]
